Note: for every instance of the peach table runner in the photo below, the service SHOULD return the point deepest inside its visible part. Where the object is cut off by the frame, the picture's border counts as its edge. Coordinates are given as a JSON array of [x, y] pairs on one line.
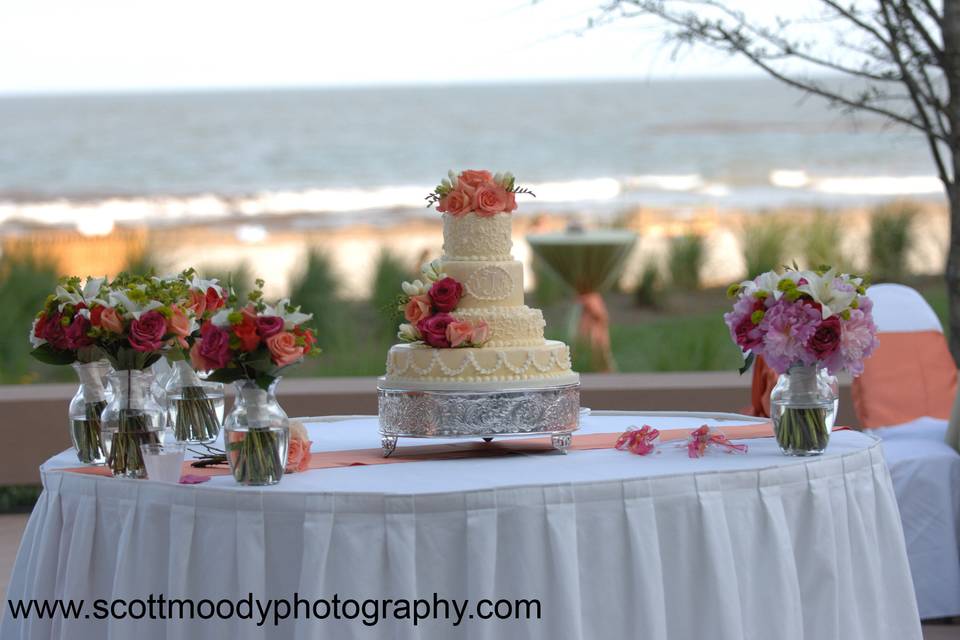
[[471, 449]]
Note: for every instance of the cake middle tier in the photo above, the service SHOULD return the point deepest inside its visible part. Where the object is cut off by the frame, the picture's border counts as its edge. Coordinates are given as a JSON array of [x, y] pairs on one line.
[[487, 284], [509, 326]]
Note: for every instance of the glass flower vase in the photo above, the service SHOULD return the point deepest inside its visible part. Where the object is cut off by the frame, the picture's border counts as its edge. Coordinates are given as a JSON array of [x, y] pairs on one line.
[[194, 406], [85, 410], [803, 405], [132, 417], [256, 434]]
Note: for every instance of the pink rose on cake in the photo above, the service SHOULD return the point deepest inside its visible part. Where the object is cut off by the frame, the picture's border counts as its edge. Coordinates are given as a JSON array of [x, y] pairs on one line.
[[417, 309], [475, 177], [445, 294], [433, 330], [480, 333], [459, 333], [457, 203]]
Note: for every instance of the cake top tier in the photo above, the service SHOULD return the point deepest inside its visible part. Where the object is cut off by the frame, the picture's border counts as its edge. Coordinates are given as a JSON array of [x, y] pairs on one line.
[[476, 207]]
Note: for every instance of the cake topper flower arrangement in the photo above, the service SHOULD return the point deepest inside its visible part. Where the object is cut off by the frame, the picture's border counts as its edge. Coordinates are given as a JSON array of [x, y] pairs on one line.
[[479, 191], [426, 306]]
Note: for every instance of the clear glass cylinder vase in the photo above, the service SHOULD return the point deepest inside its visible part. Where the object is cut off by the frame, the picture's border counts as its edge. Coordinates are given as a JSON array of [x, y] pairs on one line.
[[194, 406], [131, 418], [85, 410], [803, 406], [256, 435]]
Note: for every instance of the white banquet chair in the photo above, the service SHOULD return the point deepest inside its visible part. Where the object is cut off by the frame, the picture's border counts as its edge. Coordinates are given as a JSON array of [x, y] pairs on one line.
[[924, 469]]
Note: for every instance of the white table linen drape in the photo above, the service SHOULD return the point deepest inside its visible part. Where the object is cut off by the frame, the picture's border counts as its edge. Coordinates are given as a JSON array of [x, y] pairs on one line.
[[613, 545]]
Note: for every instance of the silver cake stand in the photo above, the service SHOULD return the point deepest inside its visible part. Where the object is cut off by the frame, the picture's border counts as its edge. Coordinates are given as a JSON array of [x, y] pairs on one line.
[[408, 413]]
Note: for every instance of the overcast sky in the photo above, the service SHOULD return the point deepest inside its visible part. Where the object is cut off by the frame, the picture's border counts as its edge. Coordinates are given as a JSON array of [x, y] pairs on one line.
[[95, 45]]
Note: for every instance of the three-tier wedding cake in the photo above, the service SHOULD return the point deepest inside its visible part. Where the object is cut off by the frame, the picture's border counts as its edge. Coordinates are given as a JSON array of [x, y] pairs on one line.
[[466, 328]]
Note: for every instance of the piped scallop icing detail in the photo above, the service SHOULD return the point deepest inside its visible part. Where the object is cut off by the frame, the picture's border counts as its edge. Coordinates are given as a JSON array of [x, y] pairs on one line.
[[411, 362], [473, 237]]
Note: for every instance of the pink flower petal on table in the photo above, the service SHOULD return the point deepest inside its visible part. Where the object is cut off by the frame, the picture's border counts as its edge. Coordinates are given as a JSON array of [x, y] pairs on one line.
[[193, 479]]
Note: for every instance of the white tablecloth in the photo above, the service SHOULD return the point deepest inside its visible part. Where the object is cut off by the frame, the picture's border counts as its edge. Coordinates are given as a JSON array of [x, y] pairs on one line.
[[612, 545]]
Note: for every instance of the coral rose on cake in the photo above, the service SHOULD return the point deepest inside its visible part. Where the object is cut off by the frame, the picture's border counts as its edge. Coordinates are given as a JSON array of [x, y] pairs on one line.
[[445, 294], [459, 333], [475, 177], [284, 349], [147, 331], [456, 203], [489, 200], [433, 330], [417, 309], [480, 333]]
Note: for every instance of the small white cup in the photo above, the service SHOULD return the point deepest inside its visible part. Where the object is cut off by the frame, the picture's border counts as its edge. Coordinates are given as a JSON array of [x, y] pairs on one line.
[[164, 462]]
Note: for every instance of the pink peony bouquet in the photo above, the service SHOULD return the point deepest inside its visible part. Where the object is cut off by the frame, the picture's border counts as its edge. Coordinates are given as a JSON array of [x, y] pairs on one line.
[[803, 318], [426, 306], [482, 192]]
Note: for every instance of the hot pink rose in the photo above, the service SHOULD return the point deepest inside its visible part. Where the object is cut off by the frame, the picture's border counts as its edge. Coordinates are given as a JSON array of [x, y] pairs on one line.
[[111, 320], [489, 200], [434, 330], [284, 349], [147, 331], [456, 203], [417, 309], [268, 326], [445, 294], [212, 351], [459, 332], [53, 332], [76, 333], [826, 339], [179, 325], [475, 178], [481, 333]]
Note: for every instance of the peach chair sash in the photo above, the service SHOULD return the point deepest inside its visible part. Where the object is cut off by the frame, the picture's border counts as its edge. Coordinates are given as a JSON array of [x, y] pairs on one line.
[[764, 380]]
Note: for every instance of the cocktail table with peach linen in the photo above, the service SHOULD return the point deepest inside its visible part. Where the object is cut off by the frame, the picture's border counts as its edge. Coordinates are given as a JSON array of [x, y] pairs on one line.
[[607, 543]]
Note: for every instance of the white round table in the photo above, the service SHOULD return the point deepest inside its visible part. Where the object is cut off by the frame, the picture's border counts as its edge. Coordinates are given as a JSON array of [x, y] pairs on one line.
[[612, 545]]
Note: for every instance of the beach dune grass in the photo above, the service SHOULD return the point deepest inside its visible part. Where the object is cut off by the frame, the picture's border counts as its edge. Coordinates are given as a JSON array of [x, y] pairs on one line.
[[388, 273], [891, 238], [25, 282], [685, 261], [764, 242], [649, 290], [822, 241]]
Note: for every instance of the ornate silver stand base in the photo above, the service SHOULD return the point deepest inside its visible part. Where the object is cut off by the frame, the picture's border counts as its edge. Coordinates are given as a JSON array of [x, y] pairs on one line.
[[406, 413]]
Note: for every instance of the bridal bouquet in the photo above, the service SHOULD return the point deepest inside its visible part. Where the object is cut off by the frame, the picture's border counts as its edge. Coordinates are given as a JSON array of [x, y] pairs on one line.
[[251, 345], [802, 322], [62, 334], [426, 306]]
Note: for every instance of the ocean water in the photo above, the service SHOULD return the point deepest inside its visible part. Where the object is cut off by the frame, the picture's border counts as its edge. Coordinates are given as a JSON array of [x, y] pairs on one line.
[[343, 154]]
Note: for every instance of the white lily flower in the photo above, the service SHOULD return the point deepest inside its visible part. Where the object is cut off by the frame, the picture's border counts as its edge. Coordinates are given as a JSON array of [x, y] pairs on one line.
[[34, 340], [823, 290], [290, 318], [767, 282], [92, 287], [221, 318], [135, 309], [67, 297], [202, 284]]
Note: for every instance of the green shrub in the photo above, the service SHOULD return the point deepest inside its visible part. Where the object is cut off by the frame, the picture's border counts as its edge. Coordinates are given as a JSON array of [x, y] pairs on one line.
[[316, 289], [687, 254], [388, 273], [822, 242], [648, 292], [240, 277], [25, 282], [142, 262], [891, 236], [764, 245]]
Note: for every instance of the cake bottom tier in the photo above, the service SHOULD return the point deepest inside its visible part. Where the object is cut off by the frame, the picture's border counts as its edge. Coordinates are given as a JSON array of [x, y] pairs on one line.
[[417, 366]]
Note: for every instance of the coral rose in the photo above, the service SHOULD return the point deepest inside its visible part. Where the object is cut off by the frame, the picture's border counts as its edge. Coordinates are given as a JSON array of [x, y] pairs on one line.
[[111, 320], [489, 200], [475, 178], [213, 299], [246, 332], [434, 330], [269, 325], [480, 334], [445, 294], [147, 331], [179, 325], [284, 348], [417, 309], [298, 449], [456, 203], [459, 333], [197, 303], [511, 202]]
